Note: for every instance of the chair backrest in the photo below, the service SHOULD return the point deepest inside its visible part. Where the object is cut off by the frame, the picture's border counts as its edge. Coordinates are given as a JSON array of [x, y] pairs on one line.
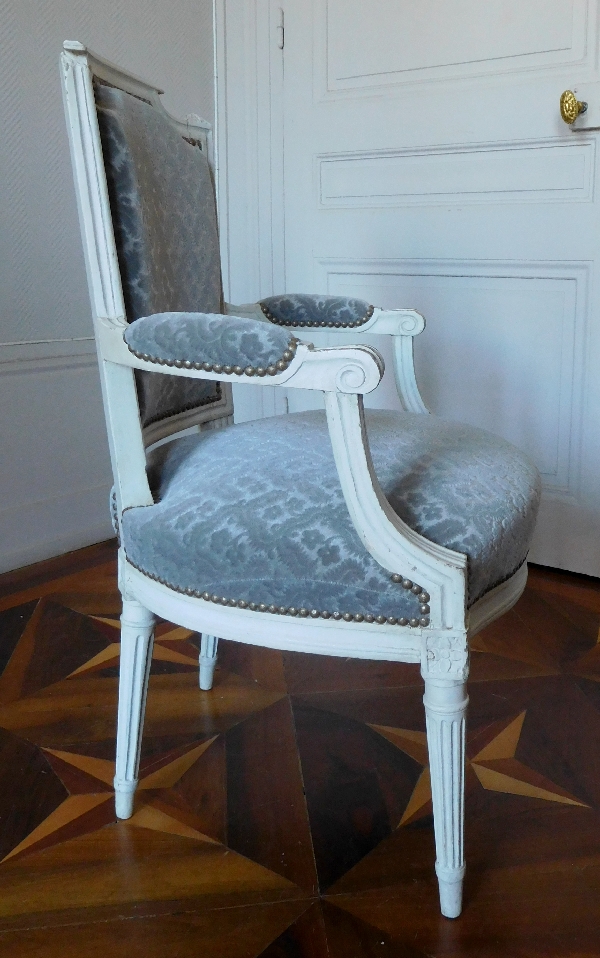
[[165, 224], [162, 205]]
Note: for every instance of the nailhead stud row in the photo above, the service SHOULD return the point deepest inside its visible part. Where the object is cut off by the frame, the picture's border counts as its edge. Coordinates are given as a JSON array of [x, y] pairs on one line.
[[304, 324], [288, 610], [420, 593], [273, 370], [196, 404]]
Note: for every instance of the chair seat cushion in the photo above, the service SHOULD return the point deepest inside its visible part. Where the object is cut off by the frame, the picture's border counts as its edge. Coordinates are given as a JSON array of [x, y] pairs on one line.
[[255, 512]]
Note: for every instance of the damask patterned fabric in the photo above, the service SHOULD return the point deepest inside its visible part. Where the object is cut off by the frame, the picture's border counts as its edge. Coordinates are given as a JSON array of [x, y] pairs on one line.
[[336, 312], [208, 337], [256, 511], [165, 226]]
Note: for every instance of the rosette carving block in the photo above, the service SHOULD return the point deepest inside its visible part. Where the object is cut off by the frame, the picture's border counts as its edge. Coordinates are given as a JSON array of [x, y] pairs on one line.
[[446, 656]]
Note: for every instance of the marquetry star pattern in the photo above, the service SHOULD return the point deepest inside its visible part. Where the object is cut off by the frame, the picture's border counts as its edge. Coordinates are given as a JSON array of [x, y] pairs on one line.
[[87, 780], [490, 756], [82, 797], [184, 654], [90, 803]]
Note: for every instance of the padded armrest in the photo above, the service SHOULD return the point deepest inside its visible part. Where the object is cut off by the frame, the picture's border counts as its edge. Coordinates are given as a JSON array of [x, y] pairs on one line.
[[211, 342], [312, 311]]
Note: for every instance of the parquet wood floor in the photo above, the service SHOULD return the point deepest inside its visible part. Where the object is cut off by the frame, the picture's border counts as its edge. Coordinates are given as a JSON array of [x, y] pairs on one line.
[[287, 813]]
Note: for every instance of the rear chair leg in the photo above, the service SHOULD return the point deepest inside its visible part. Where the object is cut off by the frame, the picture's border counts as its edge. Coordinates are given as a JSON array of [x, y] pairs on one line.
[[137, 640], [445, 708], [208, 660]]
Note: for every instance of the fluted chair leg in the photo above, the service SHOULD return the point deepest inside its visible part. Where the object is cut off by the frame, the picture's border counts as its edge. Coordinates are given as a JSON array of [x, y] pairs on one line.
[[445, 708], [137, 639], [208, 660]]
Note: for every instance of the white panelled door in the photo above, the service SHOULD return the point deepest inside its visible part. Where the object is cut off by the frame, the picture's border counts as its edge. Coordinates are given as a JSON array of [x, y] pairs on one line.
[[427, 165]]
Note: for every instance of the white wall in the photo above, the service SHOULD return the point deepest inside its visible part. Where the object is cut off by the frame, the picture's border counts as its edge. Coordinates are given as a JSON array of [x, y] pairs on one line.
[[54, 467]]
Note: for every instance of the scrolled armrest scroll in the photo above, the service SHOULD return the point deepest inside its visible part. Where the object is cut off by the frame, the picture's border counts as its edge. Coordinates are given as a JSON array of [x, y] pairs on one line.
[[397, 322]]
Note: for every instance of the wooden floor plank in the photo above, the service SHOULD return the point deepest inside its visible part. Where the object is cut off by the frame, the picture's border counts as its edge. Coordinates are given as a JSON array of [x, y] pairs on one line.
[[33, 580], [236, 932], [287, 813]]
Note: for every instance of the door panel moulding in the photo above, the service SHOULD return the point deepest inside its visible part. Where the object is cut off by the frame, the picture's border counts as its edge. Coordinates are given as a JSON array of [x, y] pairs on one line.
[[359, 54], [547, 344], [514, 172]]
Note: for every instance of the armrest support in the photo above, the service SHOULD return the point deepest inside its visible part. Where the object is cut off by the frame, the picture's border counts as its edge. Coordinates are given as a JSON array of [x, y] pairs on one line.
[[336, 313], [347, 369], [341, 314], [397, 547], [406, 380]]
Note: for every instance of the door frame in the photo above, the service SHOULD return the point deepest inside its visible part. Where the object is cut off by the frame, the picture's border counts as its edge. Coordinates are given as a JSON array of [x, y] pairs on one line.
[[249, 118]]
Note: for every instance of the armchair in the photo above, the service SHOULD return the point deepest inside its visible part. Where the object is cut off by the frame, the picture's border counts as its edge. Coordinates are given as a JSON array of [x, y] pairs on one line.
[[373, 534]]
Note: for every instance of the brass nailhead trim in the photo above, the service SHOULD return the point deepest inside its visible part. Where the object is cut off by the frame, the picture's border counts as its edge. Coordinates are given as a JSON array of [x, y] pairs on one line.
[[115, 517], [285, 610], [279, 366], [421, 595], [309, 323]]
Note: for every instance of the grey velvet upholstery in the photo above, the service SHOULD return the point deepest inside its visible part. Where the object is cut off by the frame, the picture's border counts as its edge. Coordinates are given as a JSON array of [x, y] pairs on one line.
[[165, 225], [302, 310], [210, 338], [256, 511]]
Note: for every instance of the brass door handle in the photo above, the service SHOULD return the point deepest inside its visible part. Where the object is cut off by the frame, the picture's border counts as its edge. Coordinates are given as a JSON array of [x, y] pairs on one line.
[[571, 107]]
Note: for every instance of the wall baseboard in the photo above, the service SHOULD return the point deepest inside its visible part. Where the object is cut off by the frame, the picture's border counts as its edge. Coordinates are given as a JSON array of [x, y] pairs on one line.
[[55, 472], [35, 531]]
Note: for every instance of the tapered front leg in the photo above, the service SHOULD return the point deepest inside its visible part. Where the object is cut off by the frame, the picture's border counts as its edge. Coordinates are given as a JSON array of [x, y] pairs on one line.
[[137, 639], [208, 660], [445, 708]]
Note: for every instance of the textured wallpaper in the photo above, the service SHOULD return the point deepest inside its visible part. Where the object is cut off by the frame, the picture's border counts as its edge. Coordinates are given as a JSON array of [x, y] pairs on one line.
[[43, 293], [55, 472]]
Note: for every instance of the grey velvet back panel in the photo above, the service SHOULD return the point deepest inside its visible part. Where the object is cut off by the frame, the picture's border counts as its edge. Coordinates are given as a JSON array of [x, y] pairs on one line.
[[165, 224]]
